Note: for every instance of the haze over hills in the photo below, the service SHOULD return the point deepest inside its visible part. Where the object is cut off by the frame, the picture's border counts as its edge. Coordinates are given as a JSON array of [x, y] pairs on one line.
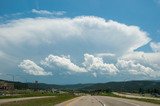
[[126, 86]]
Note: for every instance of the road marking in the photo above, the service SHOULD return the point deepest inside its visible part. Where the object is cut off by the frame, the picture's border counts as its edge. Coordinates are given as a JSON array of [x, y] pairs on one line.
[[100, 102]]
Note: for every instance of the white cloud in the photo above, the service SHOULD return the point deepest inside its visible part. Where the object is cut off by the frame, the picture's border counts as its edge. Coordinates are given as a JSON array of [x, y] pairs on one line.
[[143, 58], [93, 65], [87, 33], [32, 68], [79, 35], [63, 62], [96, 65], [141, 63], [105, 55], [155, 46], [136, 68], [45, 12]]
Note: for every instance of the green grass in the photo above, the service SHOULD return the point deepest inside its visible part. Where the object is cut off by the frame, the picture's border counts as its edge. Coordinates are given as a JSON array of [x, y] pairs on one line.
[[51, 101], [139, 99], [29, 94], [108, 94]]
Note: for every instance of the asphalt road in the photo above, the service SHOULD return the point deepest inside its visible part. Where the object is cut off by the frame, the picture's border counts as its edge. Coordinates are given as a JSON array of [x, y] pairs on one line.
[[103, 101]]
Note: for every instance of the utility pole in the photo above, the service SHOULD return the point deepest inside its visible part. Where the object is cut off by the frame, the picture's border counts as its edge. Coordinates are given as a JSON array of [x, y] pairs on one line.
[[36, 85]]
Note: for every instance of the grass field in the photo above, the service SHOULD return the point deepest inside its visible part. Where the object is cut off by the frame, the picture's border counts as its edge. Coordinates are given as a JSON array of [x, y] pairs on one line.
[[28, 94], [51, 101]]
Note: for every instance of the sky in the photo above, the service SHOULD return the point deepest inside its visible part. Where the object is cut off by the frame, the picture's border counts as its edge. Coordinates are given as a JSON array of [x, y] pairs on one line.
[[79, 41]]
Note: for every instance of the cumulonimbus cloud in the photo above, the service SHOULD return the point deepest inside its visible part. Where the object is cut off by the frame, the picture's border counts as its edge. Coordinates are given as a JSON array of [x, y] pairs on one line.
[[88, 33], [84, 34], [32, 68]]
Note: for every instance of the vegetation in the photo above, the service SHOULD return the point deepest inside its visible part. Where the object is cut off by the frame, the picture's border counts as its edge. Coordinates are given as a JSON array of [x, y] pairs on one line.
[[50, 101], [27, 93], [126, 86], [108, 94]]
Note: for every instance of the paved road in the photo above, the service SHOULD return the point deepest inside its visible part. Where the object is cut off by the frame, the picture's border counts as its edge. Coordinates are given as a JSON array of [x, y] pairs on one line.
[[2, 101], [103, 101], [135, 96]]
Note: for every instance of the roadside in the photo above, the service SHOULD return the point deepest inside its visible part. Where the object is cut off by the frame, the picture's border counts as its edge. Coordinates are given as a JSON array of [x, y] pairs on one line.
[[65, 103], [46, 101], [3, 101], [129, 95], [27, 93], [139, 98]]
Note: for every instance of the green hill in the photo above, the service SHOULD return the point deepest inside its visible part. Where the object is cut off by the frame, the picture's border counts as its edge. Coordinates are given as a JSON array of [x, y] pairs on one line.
[[127, 86]]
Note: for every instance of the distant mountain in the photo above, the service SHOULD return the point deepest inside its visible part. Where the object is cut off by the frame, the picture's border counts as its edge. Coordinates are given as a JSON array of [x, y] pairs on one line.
[[127, 86], [42, 86]]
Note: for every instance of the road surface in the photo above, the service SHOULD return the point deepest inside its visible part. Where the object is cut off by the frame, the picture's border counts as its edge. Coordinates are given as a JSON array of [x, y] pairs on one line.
[[2, 101], [135, 96], [103, 101]]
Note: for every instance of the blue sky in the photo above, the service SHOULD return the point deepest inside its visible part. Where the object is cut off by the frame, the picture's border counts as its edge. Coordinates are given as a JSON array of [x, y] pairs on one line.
[[87, 41]]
